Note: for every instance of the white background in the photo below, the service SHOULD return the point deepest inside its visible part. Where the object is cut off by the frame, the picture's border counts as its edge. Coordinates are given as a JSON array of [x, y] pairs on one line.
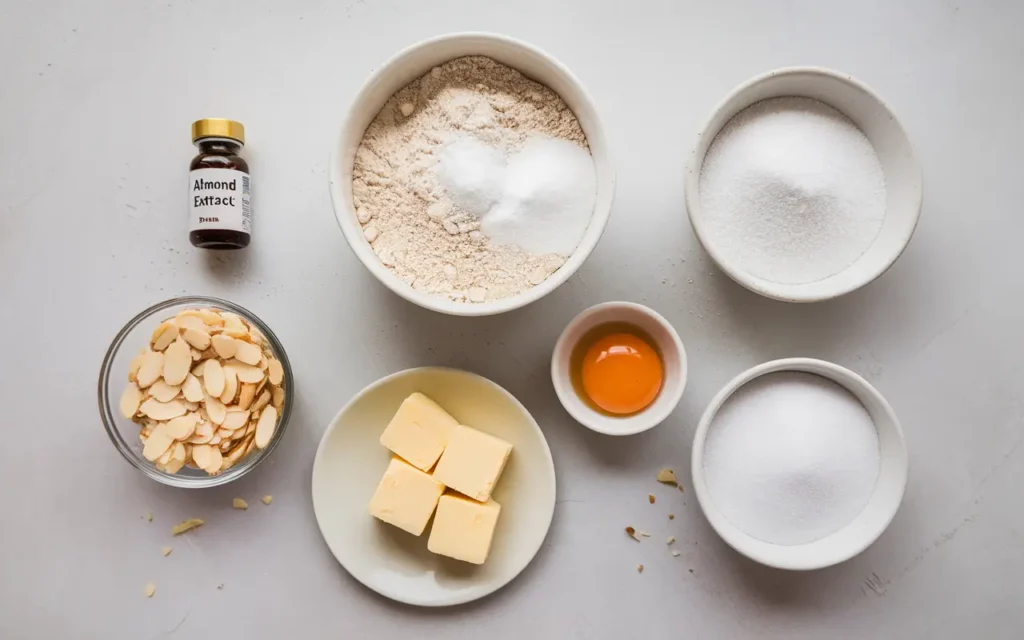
[[96, 99]]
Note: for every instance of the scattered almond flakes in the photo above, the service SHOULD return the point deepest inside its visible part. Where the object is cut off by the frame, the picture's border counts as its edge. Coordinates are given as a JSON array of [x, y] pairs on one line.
[[149, 517], [267, 499], [149, 590], [667, 476], [639, 568], [675, 554], [239, 503], [631, 532], [671, 516], [670, 540], [187, 525], [166, 551], [650, 498]]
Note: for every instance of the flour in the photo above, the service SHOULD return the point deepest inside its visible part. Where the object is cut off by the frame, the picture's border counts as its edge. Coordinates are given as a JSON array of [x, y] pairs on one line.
[[792, 191], [791, 457], [407, 214]]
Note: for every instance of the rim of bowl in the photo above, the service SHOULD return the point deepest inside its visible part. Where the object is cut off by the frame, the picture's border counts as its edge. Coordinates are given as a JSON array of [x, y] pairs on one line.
[[733, 535], [695, 165], [319, 455], [126, 450], [563, 385], [357, 243]]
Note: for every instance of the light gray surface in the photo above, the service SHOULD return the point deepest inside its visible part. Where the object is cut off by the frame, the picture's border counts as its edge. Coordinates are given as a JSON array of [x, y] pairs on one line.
[[95, 105]]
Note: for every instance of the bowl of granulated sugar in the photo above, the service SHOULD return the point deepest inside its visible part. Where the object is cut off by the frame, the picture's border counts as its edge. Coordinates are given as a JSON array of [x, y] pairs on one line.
[[803, 185], [472, 174], [799, 464]]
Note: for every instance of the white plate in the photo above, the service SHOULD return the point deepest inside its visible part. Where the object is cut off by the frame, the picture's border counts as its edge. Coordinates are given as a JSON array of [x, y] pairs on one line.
[[350, 462]]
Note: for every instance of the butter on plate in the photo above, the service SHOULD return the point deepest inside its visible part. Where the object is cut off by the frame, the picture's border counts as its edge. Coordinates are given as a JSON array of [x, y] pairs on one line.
[[472, 462], [419, 432], [406, 497], [463, 529]]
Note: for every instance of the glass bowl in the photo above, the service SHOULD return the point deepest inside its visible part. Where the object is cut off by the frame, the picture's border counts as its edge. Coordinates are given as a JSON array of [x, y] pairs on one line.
[[124, 433]]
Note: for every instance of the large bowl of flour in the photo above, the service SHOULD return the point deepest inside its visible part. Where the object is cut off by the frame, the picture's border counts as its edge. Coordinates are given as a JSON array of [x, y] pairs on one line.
[[491, 213], [803, 185]]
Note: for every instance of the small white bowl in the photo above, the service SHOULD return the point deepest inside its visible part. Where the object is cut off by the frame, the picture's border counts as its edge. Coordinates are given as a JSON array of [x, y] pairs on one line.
[[412, 63], [669, 347], [855, 536], [873, 116], [351, 461]]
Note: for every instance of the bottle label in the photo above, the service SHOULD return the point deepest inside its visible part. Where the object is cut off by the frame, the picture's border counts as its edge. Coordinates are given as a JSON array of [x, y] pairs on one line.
[[219, 199]]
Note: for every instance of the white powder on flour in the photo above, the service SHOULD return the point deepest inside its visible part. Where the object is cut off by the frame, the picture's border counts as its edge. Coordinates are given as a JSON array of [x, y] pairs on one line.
[[405, 203], [791, 457], [792, 191]]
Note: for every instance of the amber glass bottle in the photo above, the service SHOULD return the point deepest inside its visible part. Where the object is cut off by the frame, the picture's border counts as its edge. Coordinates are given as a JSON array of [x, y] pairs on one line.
[[218, 186]]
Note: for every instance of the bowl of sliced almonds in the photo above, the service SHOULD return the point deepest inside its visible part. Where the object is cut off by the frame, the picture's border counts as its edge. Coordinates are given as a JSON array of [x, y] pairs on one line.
[[195, 391]]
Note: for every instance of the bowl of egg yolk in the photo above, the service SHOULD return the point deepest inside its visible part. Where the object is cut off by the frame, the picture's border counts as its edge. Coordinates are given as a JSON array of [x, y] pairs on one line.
[[619, 368]]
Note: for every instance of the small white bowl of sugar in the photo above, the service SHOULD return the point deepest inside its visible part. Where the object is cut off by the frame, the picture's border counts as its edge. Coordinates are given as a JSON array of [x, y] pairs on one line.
[[799, 464], [803, 185]]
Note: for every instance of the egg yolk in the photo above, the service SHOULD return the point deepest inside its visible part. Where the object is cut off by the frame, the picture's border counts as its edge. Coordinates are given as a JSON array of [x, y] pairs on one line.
[[621, 373]]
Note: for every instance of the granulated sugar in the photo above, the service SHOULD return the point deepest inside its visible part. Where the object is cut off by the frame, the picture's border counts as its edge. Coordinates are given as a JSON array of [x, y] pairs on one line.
[[791, 457], [415, 215], [792, 191]]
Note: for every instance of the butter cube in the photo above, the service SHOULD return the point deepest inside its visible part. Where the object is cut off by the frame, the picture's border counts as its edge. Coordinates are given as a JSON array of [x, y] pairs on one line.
[[472, 462], [406, 497], [419, 431], [463, 528]]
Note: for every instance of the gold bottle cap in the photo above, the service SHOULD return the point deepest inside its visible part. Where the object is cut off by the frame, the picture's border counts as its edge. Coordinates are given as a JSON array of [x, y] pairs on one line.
[[218, 128]]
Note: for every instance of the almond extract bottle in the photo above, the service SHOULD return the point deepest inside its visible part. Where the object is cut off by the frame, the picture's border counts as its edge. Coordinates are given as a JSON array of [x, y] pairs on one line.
[[218, 186]]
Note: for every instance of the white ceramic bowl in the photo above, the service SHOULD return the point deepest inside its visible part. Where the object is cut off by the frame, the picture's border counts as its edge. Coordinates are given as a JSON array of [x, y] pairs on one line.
[[855, 536], [883, 129], [351, 461], [668, 344], [412, 63]]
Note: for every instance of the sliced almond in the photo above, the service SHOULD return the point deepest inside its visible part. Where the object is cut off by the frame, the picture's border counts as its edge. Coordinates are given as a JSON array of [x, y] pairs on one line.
[[215, 440], [187, 525], [151, 369], [179, 453], [201, 454], [182, 427], [233, 320], [164, 335], [187, 320], [267, 499], [211, 317], [133, 366], [213, 378], [197, 369], [248, 353], [173, 465], [197, 338], [263, 363], [235, 332], [235, 420], [667, 476], [192, 389], [247, 373], [197, 355], [164, 392], [275, 371], [257, 336], [165, 458], [246, 395], [239, 503], [230, 385], [203, 433], [225, 446], [149, 590], [162, 410], [191, 406], [156, 445], [177, 362], [131, 398], [266, 426], [278, 398], [261, 401], [215, 409], [224, 346]]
